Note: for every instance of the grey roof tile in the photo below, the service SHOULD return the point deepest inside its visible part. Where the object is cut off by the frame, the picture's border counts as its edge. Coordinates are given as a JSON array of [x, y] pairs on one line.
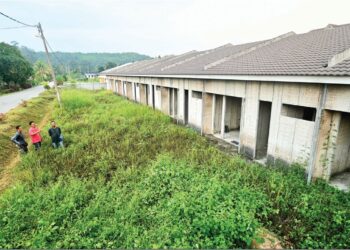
[[290, 54]]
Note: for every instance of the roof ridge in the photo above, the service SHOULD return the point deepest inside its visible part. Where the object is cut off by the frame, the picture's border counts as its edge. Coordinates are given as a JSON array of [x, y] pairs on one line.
[[205, 52], [156, 62], [246, 51], [338, 58]]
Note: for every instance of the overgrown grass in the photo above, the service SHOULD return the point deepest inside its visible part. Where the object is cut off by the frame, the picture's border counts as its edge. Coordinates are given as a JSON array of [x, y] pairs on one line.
[[130, 178], [32, 110]]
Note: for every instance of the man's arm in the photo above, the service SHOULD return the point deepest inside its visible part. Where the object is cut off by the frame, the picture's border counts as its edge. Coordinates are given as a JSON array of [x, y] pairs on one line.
[[50, 132], [14, 139], [37, 131]]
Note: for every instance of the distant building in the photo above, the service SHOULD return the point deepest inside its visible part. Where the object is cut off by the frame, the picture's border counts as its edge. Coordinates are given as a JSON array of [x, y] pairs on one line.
[[286, 99], [91, 75]]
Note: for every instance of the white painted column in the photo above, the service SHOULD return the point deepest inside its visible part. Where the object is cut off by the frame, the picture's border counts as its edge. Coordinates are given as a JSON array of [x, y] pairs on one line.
[[223, 117]]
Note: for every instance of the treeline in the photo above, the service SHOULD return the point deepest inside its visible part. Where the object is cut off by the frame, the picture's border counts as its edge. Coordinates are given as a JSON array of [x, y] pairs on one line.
[[21, 67], [81, 63], [15, 70]]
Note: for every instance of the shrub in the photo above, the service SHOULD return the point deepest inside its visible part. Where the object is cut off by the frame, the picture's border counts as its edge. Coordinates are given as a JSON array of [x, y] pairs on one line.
[[46, 86]]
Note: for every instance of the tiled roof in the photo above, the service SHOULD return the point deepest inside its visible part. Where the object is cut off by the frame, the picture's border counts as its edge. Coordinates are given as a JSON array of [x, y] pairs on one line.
[[305, 54]]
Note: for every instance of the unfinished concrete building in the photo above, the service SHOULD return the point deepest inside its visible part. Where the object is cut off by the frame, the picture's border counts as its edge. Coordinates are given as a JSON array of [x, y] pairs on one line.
[[286, 99]]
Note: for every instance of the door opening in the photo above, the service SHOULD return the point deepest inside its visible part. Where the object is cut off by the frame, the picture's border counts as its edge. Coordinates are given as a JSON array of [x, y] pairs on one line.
[[153, 99], [186, 106]]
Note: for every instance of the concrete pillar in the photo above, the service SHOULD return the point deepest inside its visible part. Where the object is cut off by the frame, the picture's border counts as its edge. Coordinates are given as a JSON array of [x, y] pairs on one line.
[[222, 133], [207, 124], [327, 139], [332, 143], [213, 114]]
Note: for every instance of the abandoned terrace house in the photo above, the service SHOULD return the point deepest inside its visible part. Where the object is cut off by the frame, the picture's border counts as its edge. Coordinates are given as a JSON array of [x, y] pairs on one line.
[[284, 99]]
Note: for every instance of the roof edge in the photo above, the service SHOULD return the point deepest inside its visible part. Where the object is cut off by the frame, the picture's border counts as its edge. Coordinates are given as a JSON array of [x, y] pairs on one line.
[[345, 80]]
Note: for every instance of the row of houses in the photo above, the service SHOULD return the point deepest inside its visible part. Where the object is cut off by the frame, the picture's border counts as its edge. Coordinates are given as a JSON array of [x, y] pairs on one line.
[[286, 99]]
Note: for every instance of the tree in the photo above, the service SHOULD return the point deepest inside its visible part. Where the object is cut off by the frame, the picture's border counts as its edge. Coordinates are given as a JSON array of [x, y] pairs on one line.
[[100, 68], [110, 65], [14, 68], [41, 72], [60, 80]]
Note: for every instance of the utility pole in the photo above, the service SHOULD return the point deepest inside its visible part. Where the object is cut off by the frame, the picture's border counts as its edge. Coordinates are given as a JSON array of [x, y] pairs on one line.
[[41, 33]]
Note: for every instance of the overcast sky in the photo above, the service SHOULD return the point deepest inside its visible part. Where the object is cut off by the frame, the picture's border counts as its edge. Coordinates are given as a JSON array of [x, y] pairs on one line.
[[160, 27]]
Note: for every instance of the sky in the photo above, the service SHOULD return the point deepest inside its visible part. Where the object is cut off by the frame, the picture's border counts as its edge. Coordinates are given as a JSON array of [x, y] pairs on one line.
[[163, 27]]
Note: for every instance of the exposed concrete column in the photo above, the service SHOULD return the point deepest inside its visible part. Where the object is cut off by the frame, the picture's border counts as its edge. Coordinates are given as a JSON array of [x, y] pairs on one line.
[[332, 143], [316, 133], [207, 124], [222, 133]]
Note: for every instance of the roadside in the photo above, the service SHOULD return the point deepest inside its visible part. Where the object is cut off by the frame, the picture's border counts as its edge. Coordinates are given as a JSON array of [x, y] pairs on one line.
[[10, 101], [38, 109]]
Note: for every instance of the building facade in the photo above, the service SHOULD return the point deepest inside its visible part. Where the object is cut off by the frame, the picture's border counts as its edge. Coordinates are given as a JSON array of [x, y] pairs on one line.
[[255, 97]]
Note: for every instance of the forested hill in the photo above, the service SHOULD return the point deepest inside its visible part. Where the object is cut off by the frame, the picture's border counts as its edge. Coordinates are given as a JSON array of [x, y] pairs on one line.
[[83, 62]]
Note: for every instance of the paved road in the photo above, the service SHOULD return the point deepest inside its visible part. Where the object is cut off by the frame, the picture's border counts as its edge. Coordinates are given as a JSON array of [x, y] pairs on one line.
[[10, 101]]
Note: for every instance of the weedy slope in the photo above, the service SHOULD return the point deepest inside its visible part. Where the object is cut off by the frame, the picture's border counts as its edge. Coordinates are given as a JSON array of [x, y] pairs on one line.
[[129, 178]]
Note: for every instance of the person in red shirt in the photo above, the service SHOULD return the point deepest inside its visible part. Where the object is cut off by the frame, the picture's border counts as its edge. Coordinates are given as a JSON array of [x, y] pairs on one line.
[[35, 136]]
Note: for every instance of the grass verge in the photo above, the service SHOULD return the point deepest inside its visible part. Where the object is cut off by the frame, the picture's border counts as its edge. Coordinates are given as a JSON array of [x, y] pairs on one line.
[[35, 110], [129, 178]]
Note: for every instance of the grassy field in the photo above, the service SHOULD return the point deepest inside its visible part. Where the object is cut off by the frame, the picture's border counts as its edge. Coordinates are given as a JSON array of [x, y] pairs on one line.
[[129, 178]]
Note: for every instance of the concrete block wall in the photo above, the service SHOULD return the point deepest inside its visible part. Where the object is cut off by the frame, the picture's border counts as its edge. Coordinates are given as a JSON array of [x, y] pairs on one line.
[[289, 138]]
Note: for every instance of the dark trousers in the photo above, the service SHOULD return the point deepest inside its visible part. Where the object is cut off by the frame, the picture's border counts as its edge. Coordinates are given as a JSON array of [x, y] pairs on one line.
[[23, 149], [37, 145]]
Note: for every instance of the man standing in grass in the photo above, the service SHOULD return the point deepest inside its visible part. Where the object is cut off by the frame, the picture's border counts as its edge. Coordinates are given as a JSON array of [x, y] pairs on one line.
[[56, 135], [19, 140], [34, 133]]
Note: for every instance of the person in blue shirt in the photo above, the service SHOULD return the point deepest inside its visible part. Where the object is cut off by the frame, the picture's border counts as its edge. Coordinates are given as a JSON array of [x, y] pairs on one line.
[[19, 140]]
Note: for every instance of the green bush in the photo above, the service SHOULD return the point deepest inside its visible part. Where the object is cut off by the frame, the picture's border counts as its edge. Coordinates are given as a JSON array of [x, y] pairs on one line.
[[129, 178], [46, 86]]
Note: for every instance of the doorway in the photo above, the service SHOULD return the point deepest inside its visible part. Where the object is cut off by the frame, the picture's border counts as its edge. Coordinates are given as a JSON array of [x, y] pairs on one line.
[[153, 100], [186, 106], [263, 129]]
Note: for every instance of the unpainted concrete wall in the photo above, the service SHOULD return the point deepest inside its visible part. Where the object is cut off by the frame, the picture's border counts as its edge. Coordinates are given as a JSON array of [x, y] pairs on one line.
[[289, 138], [218, 113], [165, 100], [342, 150], [195, 111], [233, 112]]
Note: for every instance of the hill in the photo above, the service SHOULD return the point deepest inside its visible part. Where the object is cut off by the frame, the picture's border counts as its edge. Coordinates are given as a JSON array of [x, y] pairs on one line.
[[77, 62]]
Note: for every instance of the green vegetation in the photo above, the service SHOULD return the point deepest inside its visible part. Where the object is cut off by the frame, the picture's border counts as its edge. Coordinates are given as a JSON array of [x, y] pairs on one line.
[[75, 64], [42, 72], [35, 110], [130, 178], [15, 70]]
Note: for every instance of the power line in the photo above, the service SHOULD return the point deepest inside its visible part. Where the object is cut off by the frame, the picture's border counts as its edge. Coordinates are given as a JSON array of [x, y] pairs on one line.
[[54, 54], [10, 28], [17, 21]]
